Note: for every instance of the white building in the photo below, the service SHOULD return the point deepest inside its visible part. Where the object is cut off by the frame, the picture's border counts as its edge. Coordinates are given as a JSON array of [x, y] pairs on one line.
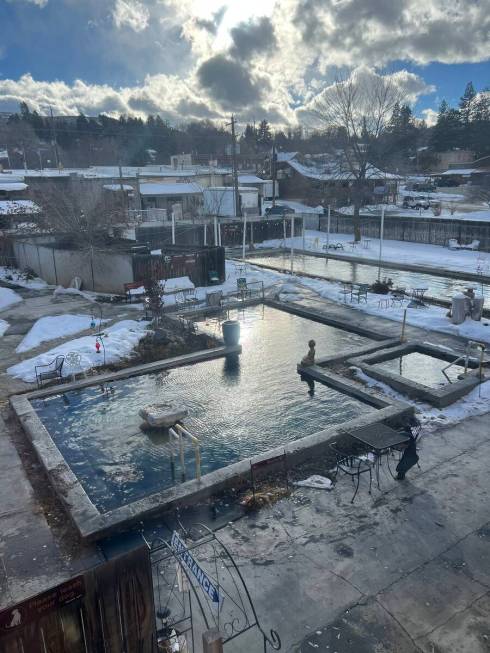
[[220, 201]]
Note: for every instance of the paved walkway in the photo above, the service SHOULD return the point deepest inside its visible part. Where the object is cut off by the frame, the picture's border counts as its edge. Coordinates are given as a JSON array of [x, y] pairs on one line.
[[37, 547], [405, 570]]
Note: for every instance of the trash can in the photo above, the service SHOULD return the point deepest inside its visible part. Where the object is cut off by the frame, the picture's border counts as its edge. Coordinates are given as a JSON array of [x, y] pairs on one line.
[[477, 308], [231, 332], [458, 310]]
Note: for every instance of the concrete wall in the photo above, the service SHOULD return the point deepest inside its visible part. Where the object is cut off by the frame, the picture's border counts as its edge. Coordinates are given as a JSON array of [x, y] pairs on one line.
[[101, 271]]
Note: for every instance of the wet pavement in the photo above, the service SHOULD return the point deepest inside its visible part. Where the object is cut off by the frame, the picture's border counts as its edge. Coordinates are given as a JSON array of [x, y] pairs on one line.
[[406, 569]]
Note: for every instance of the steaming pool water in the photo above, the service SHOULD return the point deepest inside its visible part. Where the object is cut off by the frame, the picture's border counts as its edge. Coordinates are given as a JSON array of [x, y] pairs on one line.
[[238, 407]]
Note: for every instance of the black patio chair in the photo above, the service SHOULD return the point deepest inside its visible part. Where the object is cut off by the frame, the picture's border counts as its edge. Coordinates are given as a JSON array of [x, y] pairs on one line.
[[413, 431], [351, 465], [50, 371]]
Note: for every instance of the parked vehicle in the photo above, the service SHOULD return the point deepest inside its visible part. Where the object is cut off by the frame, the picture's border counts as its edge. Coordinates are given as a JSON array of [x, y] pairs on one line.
[[448, 182], [278, 210], [415, 202]]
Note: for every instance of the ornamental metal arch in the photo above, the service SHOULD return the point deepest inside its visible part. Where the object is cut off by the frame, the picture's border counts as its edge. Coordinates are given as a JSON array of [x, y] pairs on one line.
[[198, 586]]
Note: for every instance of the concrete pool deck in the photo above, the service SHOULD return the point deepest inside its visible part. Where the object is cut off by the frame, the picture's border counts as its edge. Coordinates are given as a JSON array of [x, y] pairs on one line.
[[406, 571]]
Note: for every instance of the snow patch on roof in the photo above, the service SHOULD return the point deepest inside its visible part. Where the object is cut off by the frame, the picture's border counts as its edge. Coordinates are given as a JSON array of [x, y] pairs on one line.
[[18, 207], [12, 185], [170, 189]]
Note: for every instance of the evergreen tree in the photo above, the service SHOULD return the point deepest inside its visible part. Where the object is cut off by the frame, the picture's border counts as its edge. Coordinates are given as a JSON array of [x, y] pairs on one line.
[[264, 135], [447, 132], [479, 128], [466, 102]]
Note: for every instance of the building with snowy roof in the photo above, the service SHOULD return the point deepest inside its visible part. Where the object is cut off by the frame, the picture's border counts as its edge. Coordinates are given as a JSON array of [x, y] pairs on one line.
[[327, 179]]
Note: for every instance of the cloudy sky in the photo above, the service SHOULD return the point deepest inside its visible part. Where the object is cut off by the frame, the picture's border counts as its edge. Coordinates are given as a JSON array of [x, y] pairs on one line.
[[190, 59]]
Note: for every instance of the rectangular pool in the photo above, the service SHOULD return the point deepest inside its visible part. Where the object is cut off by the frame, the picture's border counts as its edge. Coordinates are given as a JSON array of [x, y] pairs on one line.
[[422, 368], [238, 407], [335, 269]]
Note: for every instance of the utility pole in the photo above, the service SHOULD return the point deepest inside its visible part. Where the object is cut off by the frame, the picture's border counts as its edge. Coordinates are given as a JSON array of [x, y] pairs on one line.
[[24, 155], [234, 168], [273, 171], [53, 136]]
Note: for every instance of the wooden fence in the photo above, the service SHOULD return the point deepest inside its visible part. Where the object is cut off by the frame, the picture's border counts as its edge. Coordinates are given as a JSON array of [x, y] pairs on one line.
[[176, 262], [108, 609]]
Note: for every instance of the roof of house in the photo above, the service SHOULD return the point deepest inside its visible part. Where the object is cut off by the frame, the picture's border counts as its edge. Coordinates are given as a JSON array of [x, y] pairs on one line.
[[284, 157], [245, 189], [459, 171], [334, 172], [251, 179], [116, 187], [12, 186], [170, 189], [18, 207]]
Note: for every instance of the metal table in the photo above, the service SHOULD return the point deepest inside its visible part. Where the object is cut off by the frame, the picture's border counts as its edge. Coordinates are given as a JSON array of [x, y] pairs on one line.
[[379, 438]]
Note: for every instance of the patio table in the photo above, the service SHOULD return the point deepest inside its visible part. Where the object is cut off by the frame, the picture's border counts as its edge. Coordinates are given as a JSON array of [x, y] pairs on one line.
[[417, 297], [379, 438]]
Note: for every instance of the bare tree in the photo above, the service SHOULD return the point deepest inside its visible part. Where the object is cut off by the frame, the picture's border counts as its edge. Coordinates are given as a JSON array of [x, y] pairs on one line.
[[359, 109], [82, 214], [479, 193]]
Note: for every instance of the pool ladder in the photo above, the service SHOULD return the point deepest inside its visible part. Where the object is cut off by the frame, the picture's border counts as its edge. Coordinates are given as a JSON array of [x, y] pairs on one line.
[[179, 433], [466, 358]]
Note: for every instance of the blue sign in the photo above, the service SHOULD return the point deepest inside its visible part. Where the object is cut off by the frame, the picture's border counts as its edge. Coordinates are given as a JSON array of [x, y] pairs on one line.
[[198, 572]]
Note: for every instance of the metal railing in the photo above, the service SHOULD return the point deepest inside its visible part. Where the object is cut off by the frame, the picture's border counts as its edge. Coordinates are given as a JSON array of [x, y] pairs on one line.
[[179, 432], [137, 216]]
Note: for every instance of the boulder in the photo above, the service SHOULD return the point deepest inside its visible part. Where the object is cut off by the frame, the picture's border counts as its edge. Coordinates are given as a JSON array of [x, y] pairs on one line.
[[163, 415]]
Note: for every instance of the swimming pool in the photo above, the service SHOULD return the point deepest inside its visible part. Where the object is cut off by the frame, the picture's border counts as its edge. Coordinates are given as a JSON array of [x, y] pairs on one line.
[[422, 368], [237, 408], [440, 287]]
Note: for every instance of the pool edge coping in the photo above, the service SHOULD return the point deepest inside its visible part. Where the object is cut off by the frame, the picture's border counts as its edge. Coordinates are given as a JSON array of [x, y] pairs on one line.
[[438, 397]]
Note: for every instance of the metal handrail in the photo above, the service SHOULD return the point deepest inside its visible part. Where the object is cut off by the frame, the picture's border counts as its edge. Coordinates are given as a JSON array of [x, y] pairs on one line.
[[466, 358]]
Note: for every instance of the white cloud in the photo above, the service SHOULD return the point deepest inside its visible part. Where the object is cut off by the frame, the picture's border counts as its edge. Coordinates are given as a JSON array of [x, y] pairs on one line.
[[430, 116], [407, 88], [308, 42], [157, 94], [39, 3], [131, 13]]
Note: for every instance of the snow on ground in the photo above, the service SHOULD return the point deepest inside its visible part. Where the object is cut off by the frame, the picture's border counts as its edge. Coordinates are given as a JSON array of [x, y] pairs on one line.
[[395, 251], [434, 195], [233, 271], [13, 275], [432, 318], [298, 207], [119, 340], [8, 298], [54, 326], [3, 327], [476, 402], [448, 212]]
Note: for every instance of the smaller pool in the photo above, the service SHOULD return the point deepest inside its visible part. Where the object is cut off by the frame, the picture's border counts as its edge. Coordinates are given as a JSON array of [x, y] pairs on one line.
[[421, 368]]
